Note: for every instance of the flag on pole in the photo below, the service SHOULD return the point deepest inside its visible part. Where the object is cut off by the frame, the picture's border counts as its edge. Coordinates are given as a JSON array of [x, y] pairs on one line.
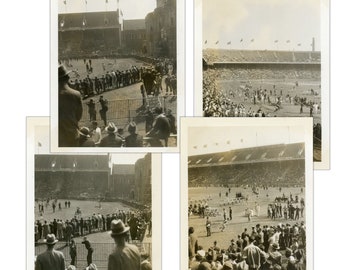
[[39, 144], [216, 143], [252, 40], [276, 41], [288, 41], [195, 147], [106, 1], [86, 2], [229, 43], [299, 44], [228, 142], [241, 40], [217, 42], [64, 2], [241, 140], [205, 146], [206, 42]]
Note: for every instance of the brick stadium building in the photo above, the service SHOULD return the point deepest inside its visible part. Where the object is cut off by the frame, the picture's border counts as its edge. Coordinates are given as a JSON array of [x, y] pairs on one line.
[[274, 165], [89, 177]]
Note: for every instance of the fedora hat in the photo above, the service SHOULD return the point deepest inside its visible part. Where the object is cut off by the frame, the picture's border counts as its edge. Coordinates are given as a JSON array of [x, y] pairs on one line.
[[275, 246], [50, 239], [92, 266], [62, 71], [118, 227], [85, 131], [111, 128]]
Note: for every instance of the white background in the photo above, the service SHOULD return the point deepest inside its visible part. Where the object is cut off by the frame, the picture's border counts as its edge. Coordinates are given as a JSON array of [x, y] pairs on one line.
[[24, 67]]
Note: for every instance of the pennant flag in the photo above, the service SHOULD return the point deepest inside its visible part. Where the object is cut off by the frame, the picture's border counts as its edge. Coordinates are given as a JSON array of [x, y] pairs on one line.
[[228, 142], [216, 143], [107, 1], [205, 146], [39, 144], [195, 147], [65, 2], [229, 43], [299, 44], [206, 42], [276, 41], [241, 140], [86, 2], [217, 42], [241, 40], [252, 40], [288, 41]]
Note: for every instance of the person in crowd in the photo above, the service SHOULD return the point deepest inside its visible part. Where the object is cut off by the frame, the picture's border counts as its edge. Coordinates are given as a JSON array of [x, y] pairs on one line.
[[134, 139], [70, 110], [85, 138], [124, 256], [96, 133], [111, 139], [51, 259], [161, 127], [90, 250]]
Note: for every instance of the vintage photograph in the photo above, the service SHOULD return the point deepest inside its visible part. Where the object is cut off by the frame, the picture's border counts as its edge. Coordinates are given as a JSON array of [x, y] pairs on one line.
[[117, 74], [265, 59], [247, 193], [91, 211]]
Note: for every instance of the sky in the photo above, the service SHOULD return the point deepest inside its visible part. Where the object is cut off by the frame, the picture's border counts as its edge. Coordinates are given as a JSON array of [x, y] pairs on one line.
[[131, 9], [42, 146], [259, 23], [204, 140]]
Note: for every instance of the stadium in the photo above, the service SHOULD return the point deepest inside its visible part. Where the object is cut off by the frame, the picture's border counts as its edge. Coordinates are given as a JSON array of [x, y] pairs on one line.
[[263, 83], [115, 57], [246, 189], [86, 192]]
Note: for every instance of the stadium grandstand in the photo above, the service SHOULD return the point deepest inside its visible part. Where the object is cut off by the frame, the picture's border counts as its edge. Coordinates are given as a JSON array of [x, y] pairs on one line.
[[274, 165], [79, 33], [87, 177]]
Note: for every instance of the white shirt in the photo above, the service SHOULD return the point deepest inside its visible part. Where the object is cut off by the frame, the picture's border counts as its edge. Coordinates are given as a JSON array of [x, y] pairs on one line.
[[97, 136]]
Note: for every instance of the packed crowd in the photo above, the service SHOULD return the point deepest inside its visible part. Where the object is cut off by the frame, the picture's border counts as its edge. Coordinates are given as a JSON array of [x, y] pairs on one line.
[[219, 103], [276, 247], [138, 221]]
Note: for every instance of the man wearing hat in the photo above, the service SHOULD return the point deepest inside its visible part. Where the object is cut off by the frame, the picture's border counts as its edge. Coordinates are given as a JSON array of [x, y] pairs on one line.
[[134, 139], [111, 139], [104, 104], [161, 127], [90, 250], [124, 256], [70, 110], [85, 138], [51, 259]]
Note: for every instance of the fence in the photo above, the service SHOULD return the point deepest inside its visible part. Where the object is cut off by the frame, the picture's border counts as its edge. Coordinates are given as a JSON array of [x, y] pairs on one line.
[[121, 112], [100, 254]]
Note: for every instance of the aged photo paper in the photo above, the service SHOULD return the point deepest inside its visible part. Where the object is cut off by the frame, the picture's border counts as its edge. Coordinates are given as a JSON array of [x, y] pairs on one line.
[[117, 75], [264, 59], [246, 187], [83, 198]]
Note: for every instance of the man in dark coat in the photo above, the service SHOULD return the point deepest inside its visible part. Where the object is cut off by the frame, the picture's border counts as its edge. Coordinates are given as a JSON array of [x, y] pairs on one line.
[[111, 139], [51, 259], [89, 250], [134, 139], [161, 127], [70, 110]]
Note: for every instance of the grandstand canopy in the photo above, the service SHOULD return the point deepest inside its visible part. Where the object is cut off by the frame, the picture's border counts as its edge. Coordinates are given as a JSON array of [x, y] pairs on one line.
[[134, 25]]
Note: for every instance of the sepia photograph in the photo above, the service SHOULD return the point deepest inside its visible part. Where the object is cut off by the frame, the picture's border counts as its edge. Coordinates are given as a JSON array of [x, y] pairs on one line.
[[264, 59], [117, 74], [91, 210], [247, 193]]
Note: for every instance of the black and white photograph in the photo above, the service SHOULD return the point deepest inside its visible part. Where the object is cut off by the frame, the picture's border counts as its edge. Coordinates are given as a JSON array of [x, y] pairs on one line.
[[247, 193], [91, 210], [117, 83], [264, 59]]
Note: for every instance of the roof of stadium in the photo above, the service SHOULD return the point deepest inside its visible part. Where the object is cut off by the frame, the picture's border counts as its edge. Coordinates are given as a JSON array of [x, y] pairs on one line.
[[73, 21], [134, 24], [278, 152], [123, 169]]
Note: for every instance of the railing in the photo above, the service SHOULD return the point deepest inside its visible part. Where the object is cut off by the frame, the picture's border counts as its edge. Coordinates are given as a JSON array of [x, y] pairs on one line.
[[121, 112], [100, 254]]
